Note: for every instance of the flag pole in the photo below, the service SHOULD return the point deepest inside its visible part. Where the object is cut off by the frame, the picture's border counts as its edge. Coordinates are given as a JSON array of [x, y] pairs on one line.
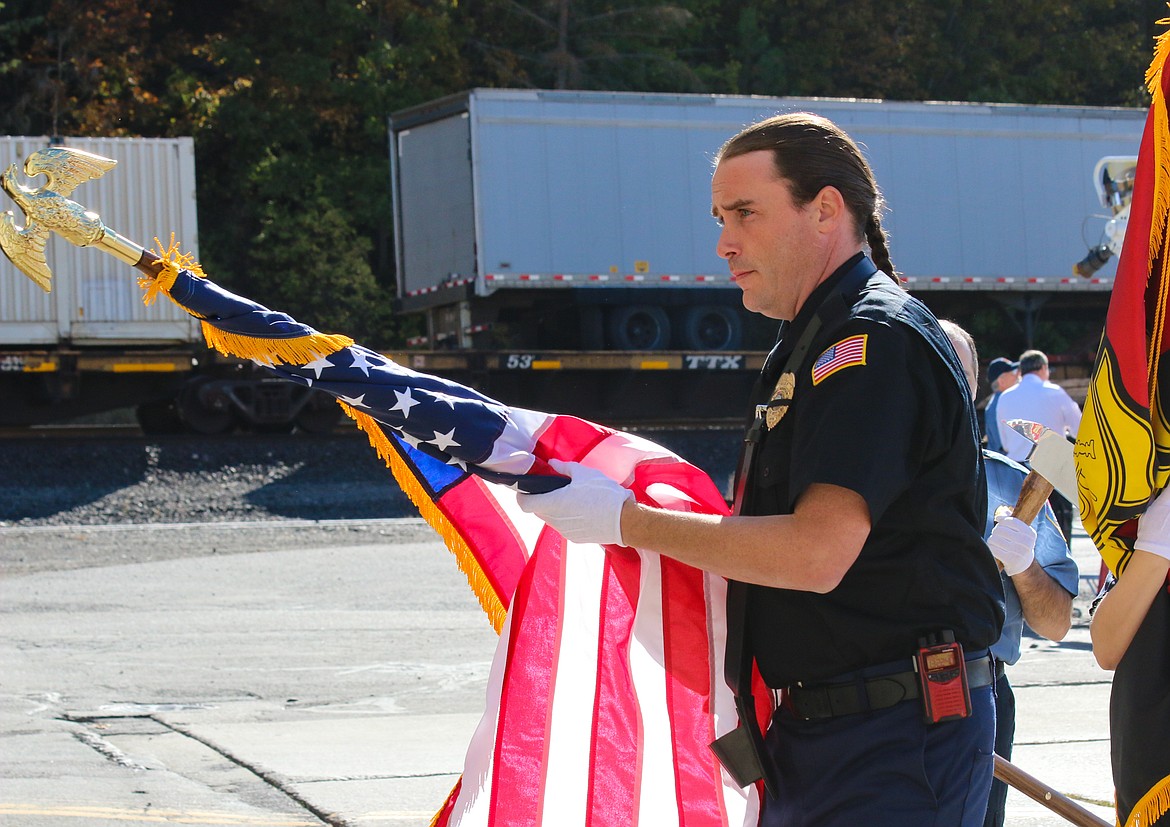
[[1038, 791]]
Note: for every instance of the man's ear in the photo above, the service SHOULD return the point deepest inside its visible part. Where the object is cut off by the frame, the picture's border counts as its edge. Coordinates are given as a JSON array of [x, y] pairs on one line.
[[831, 209]]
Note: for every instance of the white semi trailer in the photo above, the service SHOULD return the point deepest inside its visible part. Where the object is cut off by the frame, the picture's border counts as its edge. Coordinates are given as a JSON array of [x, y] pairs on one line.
[[580, 221]]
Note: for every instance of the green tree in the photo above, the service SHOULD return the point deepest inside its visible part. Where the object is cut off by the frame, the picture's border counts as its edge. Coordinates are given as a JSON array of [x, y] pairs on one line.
[[1089, 52], [640, 45], [300, 143], [288, 99], [92, 67]]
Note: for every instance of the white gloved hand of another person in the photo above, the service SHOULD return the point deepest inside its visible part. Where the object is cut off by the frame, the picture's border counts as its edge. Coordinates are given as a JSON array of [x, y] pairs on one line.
[[1013, 542], [1153, 534], [587, 510]]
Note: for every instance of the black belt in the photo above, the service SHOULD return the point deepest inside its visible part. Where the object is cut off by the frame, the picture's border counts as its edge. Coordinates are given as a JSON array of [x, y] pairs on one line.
[[830, 700]]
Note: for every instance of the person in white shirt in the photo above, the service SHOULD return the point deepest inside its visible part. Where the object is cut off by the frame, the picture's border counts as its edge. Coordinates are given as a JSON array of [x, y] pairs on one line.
[[1036, 399]]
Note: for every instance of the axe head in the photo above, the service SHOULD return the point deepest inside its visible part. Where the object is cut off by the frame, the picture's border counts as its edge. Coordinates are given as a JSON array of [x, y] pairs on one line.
[[1051, 456]]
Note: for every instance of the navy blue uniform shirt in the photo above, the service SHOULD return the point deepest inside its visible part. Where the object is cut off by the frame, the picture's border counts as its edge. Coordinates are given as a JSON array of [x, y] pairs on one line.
[[879, 406]]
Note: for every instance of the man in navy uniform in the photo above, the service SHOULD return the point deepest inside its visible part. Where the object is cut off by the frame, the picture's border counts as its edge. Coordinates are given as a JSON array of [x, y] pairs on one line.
[[857, 538]]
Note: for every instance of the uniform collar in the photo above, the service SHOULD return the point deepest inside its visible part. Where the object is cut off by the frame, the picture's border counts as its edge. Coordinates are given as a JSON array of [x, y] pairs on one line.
[[824, 290]]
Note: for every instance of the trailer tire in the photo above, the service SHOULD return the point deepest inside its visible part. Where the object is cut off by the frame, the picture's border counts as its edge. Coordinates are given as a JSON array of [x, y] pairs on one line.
[[205, 410], [712, 327], [639, 327]]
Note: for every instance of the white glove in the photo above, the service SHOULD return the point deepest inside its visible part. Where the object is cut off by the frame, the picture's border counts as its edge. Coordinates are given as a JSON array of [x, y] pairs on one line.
[[1153, 534], [1013, 542], [587, 510]]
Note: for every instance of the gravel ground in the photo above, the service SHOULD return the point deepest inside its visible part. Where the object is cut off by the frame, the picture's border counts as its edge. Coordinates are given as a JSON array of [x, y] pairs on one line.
[[115, 501], [103, 481]]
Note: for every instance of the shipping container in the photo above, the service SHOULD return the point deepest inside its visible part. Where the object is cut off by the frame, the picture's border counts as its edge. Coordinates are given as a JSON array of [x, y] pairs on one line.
[[91, 346], [93, 300]]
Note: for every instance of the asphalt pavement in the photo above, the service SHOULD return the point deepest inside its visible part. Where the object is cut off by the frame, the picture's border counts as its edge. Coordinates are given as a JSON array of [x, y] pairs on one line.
[[307, 674]]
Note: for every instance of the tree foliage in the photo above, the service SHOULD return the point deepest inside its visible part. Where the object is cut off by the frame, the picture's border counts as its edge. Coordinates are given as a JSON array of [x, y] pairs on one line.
[[288, 99], [1091, 52]]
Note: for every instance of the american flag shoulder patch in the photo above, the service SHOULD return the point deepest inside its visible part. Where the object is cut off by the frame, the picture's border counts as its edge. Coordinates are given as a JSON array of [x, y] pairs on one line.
[[845, 354]]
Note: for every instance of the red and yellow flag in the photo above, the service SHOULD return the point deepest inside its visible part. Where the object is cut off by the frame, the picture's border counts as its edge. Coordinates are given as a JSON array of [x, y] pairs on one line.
[[1123, 447]]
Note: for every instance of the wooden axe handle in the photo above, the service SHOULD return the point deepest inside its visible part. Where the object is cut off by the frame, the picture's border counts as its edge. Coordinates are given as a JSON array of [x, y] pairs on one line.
[[1034, 493], [1038, 791]]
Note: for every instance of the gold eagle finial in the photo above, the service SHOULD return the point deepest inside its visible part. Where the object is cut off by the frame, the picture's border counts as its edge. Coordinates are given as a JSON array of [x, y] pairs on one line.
[[48, 208]]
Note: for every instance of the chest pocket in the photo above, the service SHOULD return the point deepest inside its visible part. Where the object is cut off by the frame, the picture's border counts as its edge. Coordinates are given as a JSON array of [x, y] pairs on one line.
[[769, 492]]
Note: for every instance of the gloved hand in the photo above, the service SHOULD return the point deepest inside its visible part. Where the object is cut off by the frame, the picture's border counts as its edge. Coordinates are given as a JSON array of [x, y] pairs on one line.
[[587, 510], [1013, 542], [1153, 534]]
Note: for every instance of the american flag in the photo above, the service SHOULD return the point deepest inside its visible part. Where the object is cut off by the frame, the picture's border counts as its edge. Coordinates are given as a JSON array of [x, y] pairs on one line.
[[847, 352], [606, 686]]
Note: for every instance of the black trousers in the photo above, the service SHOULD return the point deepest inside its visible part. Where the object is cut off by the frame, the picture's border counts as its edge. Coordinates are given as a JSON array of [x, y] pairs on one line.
[[1005, 734], [1063, 511]]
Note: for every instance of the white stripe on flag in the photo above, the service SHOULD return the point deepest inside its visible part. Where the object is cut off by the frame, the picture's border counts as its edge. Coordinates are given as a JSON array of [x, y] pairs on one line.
[[657, 803], [570, 732], [526, 526], [512, 451], [473, 805], [742, 805]]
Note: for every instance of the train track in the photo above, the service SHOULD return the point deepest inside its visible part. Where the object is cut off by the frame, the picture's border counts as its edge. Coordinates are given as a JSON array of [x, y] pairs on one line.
[[69, 431]]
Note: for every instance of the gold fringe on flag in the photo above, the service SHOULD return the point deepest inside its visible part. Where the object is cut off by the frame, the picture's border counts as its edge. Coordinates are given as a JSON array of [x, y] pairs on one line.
[[1154, 805], [296, 351], [172, 262], [1161, 139], [435, 518], [1158, 228]]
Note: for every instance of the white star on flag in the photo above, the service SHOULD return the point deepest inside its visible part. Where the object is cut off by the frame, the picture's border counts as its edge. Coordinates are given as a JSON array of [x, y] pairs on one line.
[[444, 441], [361, 363], [405, 402], [319, 364], [355, 402]]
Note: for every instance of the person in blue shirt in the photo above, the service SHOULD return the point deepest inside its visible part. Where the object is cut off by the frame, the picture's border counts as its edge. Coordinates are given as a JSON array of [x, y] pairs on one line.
[[1001, 374], [1039, 575]]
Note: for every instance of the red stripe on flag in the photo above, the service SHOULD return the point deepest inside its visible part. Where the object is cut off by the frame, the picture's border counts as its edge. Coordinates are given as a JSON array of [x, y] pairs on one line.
[[568, 438], [489, 535], [616, 744], [688, 684], [526, 701]]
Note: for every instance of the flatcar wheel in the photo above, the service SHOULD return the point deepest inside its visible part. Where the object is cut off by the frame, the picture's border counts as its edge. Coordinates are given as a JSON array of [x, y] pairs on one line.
[[320, 414], [205, 408]]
